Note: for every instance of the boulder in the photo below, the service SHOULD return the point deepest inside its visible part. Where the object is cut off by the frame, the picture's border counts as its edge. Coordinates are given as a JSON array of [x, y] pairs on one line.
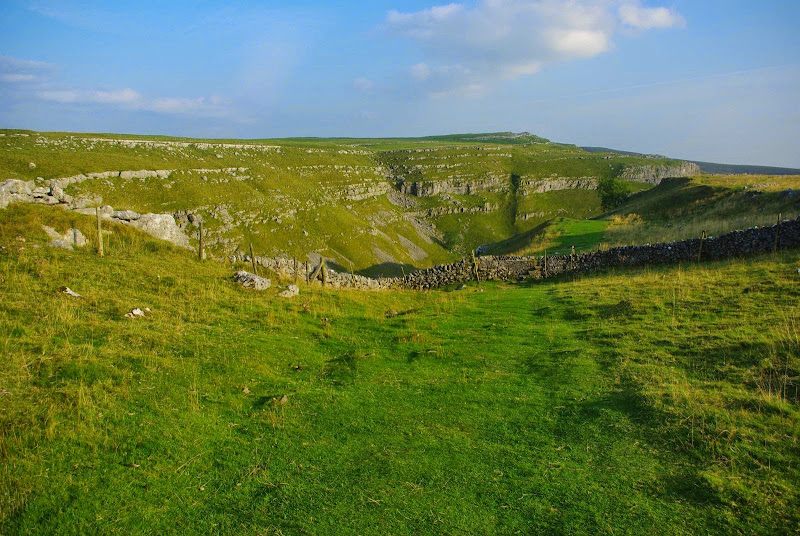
[[73, 237], [15, 186], [125, 215], [248, 280], [290, 292], [162, 226]]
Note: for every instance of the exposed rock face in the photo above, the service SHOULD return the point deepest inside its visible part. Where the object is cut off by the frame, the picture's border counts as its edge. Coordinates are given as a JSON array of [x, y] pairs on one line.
[[248, 280], [656, 174], [490, 183], [365, 191], [162, 226], [539, 186]]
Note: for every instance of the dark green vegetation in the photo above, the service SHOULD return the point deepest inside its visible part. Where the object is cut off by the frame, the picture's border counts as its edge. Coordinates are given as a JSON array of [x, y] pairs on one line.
[[655, 401], [613, 192]]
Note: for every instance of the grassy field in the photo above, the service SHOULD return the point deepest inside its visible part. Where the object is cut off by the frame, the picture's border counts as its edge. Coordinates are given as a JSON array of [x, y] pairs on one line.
[[654, 401]]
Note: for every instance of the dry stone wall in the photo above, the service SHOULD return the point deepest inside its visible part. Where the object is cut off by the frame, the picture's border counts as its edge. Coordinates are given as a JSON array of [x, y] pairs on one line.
[[734, 244], [510, 268]]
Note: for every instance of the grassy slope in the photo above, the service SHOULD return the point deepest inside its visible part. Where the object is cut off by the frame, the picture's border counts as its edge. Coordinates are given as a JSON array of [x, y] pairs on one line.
[[682, 209], [640, 402], [556, 236], [303, 177]]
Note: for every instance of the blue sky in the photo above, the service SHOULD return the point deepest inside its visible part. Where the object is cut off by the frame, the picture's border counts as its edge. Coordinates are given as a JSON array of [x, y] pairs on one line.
[[711, 80]]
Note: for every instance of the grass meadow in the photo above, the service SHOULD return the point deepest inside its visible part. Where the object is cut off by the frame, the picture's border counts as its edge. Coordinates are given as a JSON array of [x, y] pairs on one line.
[[660, 400]]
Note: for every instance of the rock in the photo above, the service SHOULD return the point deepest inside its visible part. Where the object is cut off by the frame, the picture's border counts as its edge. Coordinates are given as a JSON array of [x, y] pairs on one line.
[[68, 291], [135, 313], [46, 200], [248, 280], [60, 243], [391, 313], [73, 237], [15, 186], [57, 192], [290, 292], [162, 226], [77, 237], [125, 215], [31, 165], [41, 191]]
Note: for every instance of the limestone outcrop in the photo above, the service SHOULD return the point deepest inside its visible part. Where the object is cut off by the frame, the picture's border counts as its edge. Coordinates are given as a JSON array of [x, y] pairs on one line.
[[656, 174]]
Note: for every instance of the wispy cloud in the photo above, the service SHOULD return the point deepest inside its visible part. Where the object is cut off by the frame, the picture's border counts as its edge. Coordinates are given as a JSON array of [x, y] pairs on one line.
[[467, 48], [19, 71], [130, 99]]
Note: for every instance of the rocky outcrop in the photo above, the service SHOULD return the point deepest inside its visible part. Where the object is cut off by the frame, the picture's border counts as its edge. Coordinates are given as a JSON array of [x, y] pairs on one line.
[[529, 186], [161, 226], [656, 174], [489, 183]]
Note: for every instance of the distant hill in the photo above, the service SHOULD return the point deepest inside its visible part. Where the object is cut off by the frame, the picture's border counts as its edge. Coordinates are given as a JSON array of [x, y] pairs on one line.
[[710, 167]]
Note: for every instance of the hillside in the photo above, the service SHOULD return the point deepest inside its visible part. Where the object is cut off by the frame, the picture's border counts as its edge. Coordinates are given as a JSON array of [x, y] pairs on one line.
[[376, 206], [712, 167], [657, 400]]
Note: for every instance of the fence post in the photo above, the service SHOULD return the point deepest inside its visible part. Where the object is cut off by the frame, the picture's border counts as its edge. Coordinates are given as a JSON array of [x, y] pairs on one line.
[[700, 249], [324, 271], [253, 259], [99, 233], [200, 253], [777, 230]]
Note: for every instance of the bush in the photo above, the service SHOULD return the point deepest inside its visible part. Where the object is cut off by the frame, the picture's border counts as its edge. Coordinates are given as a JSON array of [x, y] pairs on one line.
[[613, 192]]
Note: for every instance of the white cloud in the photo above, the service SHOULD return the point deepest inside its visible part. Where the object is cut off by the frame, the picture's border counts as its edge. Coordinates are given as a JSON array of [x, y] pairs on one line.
[[644, 18], [130, 99], [471, 47]]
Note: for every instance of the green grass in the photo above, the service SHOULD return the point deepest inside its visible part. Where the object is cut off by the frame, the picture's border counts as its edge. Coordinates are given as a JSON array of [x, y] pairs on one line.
[[656, 401], [680, 209], [290, 200], [556, 236]]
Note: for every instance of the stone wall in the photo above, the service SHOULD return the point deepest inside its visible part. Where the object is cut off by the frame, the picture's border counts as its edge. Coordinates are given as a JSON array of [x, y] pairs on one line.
[[734, 244], [509, 268]]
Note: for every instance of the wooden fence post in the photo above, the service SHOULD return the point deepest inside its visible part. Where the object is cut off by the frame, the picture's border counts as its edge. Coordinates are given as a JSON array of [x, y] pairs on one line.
[[253, 259], [200, 253], [99, 233], [324, 274], [777, 230]]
